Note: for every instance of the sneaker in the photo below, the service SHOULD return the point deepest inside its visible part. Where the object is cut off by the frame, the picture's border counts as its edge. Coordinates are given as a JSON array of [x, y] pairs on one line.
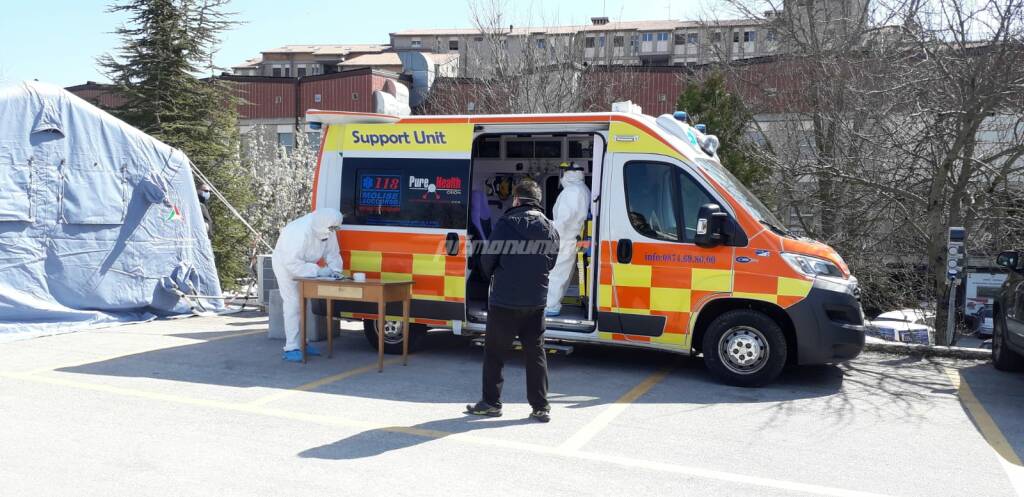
[[543, 415], [483, 409]]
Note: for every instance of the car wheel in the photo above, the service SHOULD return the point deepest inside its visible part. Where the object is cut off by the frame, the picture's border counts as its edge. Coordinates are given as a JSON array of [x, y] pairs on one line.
[[744, 348], [1003, 358], [393, 335]]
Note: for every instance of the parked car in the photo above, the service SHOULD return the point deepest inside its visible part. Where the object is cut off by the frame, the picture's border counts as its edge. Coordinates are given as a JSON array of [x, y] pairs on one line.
[[904, 325], [1008, 320], [985, 321]]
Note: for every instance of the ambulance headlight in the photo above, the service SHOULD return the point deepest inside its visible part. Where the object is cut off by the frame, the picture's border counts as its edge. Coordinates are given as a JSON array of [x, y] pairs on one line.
[[812, 266]]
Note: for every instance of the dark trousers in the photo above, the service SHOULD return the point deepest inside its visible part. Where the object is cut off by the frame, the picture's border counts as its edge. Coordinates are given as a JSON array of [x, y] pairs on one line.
[[504, 324]]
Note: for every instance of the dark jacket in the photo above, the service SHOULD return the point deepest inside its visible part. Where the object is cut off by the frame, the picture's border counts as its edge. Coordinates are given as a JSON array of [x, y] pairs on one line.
[[518, 256], [206, 218]]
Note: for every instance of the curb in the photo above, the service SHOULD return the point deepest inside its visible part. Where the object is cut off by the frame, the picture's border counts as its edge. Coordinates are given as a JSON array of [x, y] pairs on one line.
[[917, 350]]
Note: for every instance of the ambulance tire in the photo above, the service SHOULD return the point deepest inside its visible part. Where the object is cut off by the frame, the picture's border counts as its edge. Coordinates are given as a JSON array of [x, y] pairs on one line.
[[393, 344], [744, 348]]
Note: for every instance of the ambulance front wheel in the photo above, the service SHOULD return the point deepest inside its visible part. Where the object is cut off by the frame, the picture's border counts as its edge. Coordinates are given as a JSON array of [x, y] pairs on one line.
[[744, 348], [393, 335]]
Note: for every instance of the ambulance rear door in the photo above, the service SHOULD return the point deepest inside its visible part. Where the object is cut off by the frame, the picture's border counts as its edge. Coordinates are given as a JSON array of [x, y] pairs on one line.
[[404, 191]]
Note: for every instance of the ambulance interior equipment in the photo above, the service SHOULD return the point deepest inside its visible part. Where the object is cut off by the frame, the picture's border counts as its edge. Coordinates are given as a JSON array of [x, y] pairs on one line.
[[502, 159]]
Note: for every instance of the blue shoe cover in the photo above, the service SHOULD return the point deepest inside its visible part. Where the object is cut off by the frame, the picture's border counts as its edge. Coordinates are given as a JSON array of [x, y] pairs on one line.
[[552, 314], [311, 350], [292, 356]]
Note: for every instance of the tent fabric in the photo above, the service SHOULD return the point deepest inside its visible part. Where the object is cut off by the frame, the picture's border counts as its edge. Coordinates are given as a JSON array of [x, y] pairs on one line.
[[93, 215]]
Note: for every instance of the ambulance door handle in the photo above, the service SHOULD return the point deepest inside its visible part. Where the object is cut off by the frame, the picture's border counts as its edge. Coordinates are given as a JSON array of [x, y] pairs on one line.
[[451, 243], [624, 251]]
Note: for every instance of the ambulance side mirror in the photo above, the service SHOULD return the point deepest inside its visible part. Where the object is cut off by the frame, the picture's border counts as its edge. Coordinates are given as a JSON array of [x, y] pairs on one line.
[[710, 226]]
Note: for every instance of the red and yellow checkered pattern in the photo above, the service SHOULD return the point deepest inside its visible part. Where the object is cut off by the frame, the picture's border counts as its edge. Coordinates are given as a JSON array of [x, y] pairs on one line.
[[675, 281], [420, 257]]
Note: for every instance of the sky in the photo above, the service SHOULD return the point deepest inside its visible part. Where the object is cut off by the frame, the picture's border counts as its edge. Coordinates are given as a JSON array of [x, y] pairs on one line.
[[58, 41]]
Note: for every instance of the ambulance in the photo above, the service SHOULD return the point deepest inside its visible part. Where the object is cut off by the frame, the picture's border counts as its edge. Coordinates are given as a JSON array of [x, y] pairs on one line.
[[677, 256]]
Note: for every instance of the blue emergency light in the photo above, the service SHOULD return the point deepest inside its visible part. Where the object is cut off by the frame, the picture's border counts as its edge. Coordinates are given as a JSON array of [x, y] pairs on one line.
[[681, 116], [703, 128]]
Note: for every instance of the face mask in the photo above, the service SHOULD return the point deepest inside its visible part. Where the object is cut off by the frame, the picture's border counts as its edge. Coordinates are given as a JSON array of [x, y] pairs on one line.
[[205, 196]]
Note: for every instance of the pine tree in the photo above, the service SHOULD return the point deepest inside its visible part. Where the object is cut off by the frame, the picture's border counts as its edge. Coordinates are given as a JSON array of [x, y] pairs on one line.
[[727, 118], [165, 45]]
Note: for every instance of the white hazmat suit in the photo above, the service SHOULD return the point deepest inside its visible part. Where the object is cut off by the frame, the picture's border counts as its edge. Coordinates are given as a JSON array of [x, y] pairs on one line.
[[301, 244], [571, 210]]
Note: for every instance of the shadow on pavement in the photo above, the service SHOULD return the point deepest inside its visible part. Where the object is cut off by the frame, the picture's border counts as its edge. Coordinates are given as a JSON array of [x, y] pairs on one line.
[[376, 442], [447, 370], [1001, 394]]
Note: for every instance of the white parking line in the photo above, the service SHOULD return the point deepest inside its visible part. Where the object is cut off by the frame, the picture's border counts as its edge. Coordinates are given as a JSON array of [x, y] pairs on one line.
[[691, 471]]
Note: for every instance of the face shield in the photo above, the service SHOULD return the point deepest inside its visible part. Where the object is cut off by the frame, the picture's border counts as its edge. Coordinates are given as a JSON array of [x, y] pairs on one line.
[[325, 222]]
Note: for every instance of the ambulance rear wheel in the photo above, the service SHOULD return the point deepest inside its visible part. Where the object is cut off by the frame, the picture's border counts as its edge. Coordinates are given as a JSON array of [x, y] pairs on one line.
[[393, 335], [744, 348]]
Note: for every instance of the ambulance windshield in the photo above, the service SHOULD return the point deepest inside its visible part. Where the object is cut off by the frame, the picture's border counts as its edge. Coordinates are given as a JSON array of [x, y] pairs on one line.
[[742, 195]]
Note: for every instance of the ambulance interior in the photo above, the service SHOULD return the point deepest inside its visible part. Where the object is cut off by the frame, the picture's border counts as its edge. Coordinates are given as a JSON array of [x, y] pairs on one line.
[[499, 162]]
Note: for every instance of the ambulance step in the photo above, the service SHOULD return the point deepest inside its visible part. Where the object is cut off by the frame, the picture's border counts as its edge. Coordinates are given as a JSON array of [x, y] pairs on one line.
[[551, 348]]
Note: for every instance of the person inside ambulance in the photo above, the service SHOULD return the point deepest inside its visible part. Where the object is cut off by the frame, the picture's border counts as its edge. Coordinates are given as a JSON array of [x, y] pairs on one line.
[[570, 212], [302, 244]]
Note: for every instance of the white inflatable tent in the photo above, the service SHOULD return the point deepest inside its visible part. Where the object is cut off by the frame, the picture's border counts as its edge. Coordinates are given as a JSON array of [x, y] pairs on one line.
[[99, 222]]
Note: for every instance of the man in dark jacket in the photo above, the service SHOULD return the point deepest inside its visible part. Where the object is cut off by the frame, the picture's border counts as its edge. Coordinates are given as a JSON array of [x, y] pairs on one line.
[[517, 258]]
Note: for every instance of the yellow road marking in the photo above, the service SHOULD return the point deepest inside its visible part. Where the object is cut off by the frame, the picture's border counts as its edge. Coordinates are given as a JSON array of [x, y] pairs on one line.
[[689, 471], [986, 425], [588, 432], [318, 383]]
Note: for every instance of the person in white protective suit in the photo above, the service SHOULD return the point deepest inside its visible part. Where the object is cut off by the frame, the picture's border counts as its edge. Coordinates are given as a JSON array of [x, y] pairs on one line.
[[301, 244], [571, 210]]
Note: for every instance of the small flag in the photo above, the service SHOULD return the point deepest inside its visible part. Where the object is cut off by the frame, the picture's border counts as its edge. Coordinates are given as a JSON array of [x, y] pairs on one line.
[[174, 214]]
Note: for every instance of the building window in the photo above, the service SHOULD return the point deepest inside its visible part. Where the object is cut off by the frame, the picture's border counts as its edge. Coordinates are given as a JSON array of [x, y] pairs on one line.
[[662, 97], [286, 140], [716, 37], [749, 36], [276, 72], [692, 38], [600, 41], [416, 44], [735, 36], [618, 41], [287, 72], [313, 138], [453, 45], [663, 36], [355, 95], [647, 37], [541, 43], [589, 42], [478, 38], [317, 98], [680, 39], [301, 72], [770, 35], [278, 99]]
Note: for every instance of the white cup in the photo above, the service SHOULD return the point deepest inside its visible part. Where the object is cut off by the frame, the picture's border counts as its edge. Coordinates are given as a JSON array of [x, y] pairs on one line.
[[359, 277]]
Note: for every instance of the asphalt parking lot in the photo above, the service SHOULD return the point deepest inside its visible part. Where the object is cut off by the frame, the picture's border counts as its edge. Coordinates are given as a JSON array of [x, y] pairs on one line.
[[206, 406]]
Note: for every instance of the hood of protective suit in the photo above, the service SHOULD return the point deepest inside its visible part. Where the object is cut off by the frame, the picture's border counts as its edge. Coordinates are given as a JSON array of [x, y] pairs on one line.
[[322, 220], [572, 177]]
